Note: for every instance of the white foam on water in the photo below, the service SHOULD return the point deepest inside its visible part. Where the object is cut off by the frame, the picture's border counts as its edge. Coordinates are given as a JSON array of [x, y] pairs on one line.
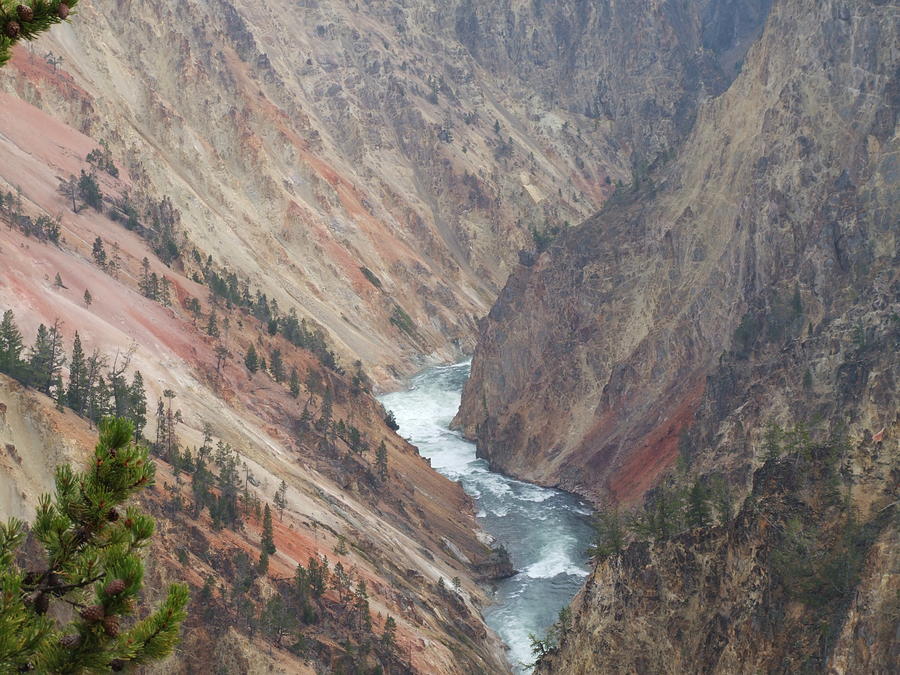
[[557, 561], [518, 640], [534, 493], [496, 485]]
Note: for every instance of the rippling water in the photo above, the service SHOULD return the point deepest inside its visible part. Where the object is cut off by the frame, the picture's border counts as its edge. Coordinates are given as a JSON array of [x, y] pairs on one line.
[[546, 531]]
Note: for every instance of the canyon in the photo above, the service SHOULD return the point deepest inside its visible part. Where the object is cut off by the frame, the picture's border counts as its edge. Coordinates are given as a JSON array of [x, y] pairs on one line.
[[782, 193], [661, 227]]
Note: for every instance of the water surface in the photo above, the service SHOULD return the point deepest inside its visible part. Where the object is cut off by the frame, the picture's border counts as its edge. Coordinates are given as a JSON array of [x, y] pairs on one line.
[[546, 531]]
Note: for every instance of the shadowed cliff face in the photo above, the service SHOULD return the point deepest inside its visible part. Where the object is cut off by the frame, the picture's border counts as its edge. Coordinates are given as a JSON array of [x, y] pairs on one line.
[[780, 211], [747, 597], [642, 67]]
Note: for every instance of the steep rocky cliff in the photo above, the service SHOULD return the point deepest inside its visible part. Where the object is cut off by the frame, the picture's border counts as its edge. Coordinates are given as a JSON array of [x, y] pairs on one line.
[[303, 142], [638, 68], [400, 530], [777, 217], [797, 582], [749, 284], [375, 168]]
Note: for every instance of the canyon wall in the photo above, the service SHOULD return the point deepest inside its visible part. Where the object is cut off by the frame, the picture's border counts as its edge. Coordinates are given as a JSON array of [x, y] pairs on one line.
[[354, 162], [405, 530], [371, 162], [638, 68], [377, 167], [778, 214], [747, 286]]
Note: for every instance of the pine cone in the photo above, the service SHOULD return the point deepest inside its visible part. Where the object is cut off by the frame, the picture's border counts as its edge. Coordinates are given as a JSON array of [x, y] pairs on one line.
[[12, 30], [41, 604], [111, 626], [112, 516], [25, 13], [115, 587], [81, 535], [62, 11], [116, 665], [69, 641], [93, 613]]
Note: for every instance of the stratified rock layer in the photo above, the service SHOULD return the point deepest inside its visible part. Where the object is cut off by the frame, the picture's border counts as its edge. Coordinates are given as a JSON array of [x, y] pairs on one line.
[[307, 142]]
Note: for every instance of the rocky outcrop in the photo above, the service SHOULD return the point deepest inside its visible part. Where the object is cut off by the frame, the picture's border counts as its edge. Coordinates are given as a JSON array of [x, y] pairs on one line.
[[753, 596], [496, 566], [776, 218]]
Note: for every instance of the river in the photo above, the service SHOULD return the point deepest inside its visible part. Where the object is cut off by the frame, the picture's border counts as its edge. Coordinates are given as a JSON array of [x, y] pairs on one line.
[[545, 531]]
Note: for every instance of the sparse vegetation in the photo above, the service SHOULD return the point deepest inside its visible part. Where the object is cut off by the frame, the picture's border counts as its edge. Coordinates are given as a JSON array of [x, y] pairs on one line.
[[540, 647], [542, 240], [403, 321], [101, 158], [95, 389], [42, 227], [381, 462], [89, 191], [370, 275]]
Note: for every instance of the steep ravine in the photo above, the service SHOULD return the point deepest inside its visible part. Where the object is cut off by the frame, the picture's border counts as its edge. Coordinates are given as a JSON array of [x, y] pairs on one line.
[[393, 529], [303, 142], [376, 167]]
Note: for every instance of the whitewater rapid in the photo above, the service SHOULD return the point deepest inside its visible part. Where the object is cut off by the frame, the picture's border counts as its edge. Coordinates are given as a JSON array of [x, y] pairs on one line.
[[545, 531]]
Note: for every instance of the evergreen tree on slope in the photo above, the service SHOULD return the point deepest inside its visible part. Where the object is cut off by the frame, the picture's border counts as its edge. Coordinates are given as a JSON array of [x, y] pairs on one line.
[[93, 542]]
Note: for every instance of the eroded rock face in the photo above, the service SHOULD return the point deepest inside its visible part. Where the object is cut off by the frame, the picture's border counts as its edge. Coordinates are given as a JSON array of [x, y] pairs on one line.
[[305, 141], [596, 358], [751, 280], [721, 600], [642, 67]]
